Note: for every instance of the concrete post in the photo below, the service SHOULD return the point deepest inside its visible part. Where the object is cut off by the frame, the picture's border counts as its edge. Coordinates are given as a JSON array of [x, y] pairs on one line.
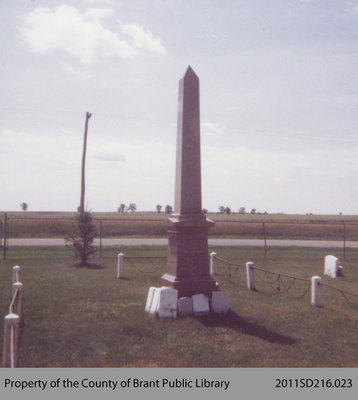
[[213, 265], [16, 274], [250, 272], [120, 268], [16, 285], [316, 293], [11, 334], [16, 302]]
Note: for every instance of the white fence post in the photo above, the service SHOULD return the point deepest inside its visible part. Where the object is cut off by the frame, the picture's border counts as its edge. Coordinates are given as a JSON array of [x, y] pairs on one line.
[[316, 293], [120, 268], [11, 333], [15, 306], [213, 265], [250, 273], [16, 274]]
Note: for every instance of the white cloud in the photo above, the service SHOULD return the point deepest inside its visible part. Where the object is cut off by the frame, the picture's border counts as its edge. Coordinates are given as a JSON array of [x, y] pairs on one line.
[[210, 129], [109, 156], [83, 36], [98, 13], [104, 2], [142, 39], [75, 71]]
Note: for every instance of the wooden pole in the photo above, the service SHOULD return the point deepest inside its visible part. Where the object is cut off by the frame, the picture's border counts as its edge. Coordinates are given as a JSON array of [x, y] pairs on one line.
[[5, 236], [264, 232], [100, 238], [82, 201], [344, 241]]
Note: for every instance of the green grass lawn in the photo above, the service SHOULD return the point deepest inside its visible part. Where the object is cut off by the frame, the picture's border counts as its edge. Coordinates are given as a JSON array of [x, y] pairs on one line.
[[85, 317]]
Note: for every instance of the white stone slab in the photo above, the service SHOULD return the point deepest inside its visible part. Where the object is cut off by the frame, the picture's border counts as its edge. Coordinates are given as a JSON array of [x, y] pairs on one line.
[[185, 306], [149, 299], [220, 302], [331, 265], [155, 301], [200, 304], [168, 303]]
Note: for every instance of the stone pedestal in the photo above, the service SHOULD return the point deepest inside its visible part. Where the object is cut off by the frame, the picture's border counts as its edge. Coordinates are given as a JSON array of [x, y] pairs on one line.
[[188, 262]]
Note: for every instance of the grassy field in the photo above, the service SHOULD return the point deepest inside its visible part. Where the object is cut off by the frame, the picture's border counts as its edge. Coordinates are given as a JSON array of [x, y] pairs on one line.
[[321, 227], [85, 317]]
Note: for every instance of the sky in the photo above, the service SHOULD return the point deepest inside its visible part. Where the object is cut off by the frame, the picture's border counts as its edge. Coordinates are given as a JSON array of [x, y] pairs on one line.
[[278, 94]]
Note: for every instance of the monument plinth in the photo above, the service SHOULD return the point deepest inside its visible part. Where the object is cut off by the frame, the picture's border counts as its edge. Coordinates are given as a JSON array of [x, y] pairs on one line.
[[188, 261]]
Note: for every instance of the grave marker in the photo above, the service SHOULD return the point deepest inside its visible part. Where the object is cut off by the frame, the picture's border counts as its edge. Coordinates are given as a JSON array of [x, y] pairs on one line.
[[332, 266], [188, 261]]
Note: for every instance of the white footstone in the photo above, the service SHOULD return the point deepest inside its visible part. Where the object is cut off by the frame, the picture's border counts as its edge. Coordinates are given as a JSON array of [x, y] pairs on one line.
[[168, 303], [200, 304], [331, 266], [185, 306], [220, 302], [149, 299]]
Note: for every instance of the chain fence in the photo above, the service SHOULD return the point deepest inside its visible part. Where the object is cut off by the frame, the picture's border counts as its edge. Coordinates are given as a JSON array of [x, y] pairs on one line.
[[346, 295], [152, 264], [294, 286]]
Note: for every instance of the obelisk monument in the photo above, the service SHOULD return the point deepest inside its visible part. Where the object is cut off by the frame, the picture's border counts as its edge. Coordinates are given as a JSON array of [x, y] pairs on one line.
[[188, 261]]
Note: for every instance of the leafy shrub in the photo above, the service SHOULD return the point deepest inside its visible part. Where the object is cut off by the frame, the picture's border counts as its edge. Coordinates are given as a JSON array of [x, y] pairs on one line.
[[82, 236]]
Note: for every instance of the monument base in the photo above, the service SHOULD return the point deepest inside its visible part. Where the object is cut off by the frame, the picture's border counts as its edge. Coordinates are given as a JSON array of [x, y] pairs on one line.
[[191, 285], [188, 260], [164, 303]]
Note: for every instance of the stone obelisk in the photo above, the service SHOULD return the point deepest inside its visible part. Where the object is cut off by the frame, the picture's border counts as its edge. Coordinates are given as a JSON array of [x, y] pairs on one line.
[[188, 261]]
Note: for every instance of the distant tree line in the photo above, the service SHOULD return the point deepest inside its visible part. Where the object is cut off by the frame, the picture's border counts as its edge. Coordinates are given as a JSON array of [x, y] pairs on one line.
[[242, 210], [132, 207], [168, 209]]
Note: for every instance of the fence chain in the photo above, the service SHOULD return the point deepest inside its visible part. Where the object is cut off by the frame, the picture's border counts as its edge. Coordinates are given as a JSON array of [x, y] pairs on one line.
[[150, 259], [344, 294], [294, 280], [231, 270]]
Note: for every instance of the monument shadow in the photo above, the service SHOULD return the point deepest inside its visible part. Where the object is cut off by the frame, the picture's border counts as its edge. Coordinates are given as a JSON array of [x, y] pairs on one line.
[[233, 321]]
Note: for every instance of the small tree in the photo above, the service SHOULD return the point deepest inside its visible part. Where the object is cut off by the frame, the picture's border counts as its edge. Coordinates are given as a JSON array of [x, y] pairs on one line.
[[132, 207], [168, 209], [122, 208], [159, 208], [24, 206], [82, 236]]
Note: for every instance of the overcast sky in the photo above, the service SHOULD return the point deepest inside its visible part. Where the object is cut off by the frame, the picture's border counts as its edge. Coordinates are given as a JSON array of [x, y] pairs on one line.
[[279, 102]]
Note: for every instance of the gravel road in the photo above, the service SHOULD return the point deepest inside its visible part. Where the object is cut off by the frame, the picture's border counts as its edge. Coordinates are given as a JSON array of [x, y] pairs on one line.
[[164, 242]]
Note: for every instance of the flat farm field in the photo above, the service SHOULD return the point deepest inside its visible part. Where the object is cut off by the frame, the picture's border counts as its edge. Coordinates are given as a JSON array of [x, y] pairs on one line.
[[245, 226]]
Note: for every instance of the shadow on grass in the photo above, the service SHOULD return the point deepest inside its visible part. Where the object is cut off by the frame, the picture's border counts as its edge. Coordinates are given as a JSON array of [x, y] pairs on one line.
[[87, 266], [233, 321]]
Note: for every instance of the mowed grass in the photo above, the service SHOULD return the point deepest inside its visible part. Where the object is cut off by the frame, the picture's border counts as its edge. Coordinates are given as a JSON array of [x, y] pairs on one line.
[[86, 317], [321, 227]]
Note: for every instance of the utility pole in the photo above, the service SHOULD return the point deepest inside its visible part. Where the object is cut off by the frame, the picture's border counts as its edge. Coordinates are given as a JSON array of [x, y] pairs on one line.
[[82, 201]]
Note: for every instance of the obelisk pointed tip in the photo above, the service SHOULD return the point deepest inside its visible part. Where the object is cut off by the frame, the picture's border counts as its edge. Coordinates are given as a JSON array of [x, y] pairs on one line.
[[190, 73]]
